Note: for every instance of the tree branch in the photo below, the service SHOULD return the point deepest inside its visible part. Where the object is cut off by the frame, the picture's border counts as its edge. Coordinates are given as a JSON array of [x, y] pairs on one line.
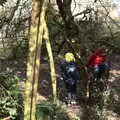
[[74, 7], [83, 12]]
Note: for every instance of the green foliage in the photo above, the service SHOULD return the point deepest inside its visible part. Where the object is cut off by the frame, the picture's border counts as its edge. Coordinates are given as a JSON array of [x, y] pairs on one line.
[[9, 95], [21, 48], [98, 113], [99, 98], [51, 110], [22, 45], [8, 107]]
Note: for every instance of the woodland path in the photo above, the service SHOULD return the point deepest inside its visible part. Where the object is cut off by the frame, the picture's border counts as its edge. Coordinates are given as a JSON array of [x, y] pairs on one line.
[[83, 109]]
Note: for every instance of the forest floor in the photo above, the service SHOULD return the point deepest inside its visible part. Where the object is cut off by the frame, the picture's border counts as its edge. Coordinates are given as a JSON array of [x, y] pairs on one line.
[[82, 110]]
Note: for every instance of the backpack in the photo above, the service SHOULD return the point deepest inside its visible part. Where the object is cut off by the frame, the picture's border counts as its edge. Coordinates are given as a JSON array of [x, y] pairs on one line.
[[70, 68], [70, 72]]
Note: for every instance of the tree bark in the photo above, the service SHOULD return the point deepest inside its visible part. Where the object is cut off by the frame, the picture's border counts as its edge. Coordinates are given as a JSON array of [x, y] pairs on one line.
[[65, 11], [33, 64], [50, 54]]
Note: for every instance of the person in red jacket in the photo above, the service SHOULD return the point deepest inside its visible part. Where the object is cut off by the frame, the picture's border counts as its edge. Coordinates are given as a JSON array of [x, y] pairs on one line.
[[98, 61], [96, 58]]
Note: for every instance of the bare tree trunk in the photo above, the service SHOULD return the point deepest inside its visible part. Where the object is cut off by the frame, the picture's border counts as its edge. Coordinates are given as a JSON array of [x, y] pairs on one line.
[[52, 66], [33, 64], [72, 29], [37, 61]]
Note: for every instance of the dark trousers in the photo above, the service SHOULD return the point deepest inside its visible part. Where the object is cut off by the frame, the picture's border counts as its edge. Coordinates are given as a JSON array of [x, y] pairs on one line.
[[99, 70], [71, 88], [70, 85]]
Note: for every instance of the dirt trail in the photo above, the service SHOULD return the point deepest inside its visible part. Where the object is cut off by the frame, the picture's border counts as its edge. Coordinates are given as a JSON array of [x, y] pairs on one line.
[[81, 111]]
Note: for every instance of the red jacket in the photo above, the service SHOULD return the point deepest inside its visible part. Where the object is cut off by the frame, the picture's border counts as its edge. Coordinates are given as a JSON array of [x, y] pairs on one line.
[[96, 59]]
